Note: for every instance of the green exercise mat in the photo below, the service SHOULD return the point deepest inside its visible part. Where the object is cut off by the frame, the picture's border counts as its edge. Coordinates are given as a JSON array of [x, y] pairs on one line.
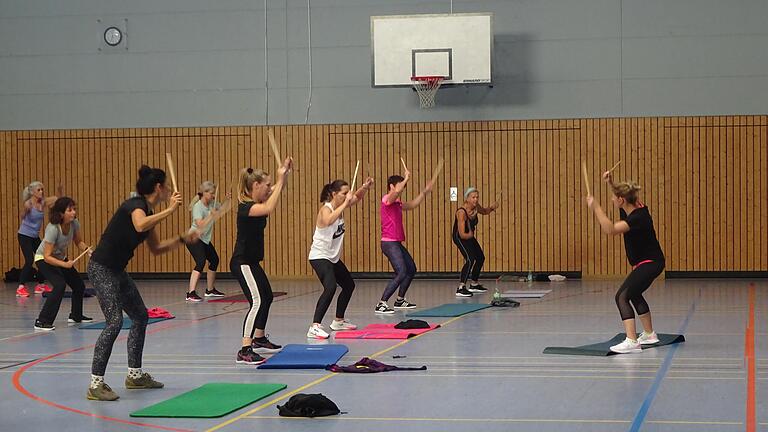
[[450, 310], [210, 400], [603, 349]]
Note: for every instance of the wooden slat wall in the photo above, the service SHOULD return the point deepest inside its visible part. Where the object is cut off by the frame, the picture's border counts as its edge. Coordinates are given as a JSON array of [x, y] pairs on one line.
[[704, 179]]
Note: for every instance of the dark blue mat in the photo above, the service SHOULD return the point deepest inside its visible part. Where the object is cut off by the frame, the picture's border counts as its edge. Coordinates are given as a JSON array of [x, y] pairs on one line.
[[450, 310], [295, 356], [126, 324], [603, 349]]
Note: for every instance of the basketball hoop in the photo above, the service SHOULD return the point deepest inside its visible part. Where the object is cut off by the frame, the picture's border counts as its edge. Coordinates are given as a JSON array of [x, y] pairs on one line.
[[426, 87]]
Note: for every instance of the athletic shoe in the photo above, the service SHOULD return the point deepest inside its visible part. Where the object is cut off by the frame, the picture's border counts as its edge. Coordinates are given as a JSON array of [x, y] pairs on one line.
[[382, 308], [214, 293], [21, 291], [193, 297], [39, 289], [404, 304], [627, 347], [47, 288], [145, 381], [463, 292], [316, 331], [477, 289], [77, 320], [265, 347], [648, 338], [247, 356], [44, 326], [342, 325], [102, 392]]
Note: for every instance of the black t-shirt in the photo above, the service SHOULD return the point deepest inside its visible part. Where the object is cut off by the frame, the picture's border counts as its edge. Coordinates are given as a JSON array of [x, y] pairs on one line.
[[640, 241], [249, 245], [120, 238], [469, 223]]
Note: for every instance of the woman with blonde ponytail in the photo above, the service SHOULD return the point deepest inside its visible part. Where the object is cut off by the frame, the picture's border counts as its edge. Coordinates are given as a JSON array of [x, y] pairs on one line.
[[33, 205], [644, 255], [204, 207], [258, 199]]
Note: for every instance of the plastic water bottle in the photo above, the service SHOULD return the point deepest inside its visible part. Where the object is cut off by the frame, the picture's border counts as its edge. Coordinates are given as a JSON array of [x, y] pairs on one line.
[[530, 277]]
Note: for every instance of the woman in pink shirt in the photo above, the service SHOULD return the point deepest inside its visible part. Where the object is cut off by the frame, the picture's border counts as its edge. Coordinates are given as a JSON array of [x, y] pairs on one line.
[[392, 236]]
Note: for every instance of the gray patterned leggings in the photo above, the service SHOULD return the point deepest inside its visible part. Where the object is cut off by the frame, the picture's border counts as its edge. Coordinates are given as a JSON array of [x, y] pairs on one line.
[[117, 293]]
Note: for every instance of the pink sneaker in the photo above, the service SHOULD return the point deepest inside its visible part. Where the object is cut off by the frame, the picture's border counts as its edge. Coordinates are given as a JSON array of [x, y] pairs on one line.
[[39, 289], [21, 291]]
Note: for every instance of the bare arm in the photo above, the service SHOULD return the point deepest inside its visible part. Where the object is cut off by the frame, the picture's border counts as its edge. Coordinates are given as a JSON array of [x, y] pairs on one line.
[[394, 194], [461, 222], [360, 193], [49, 201], [144, 223], [78, 241], [52, 260], [412, 204], [607, 226], [265, 208], [25, 208], [158, 247]]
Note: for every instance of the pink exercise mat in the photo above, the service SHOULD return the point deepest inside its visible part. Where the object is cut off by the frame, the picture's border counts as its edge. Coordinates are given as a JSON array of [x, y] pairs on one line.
[[382, 331]]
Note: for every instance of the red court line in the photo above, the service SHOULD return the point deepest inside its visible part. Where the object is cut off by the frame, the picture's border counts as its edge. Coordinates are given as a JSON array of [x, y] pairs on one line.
[[749, 360]]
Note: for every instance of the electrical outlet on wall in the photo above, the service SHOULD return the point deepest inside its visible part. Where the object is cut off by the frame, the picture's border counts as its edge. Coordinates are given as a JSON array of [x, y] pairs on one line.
[[454, 193]]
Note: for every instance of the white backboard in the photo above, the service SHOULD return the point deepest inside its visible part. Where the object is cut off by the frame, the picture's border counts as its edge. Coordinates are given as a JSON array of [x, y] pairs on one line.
[[456, 46]]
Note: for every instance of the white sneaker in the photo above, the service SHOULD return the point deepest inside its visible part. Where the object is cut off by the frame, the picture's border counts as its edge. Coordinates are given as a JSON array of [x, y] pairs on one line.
[[648, 338], [316, 331], [627, 347], [342, 325]]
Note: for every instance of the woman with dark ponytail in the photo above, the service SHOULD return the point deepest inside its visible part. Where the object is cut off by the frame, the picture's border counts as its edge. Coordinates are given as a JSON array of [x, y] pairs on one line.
[[132, 224], [325, 255], [644, 255], [204, 208]]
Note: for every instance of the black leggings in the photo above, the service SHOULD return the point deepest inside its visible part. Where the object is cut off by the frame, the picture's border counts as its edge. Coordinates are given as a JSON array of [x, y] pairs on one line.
[[255, 286], [474, 258], [61, 277], [402, 263], [331, 275], [28, 246], [202, 252], [631, 291], [117, 293]]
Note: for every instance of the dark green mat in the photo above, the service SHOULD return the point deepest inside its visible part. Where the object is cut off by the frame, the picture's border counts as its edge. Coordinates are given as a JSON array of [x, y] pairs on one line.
[[602, 349], [210, 400], [450, 310], [126, 324]]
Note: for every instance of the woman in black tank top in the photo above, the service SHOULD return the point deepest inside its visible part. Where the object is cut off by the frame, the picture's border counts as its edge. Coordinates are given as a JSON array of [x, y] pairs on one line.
[[644, 255], [464, 225]]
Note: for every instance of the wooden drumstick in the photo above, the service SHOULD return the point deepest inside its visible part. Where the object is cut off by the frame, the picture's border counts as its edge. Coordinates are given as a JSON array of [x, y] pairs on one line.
[[586, 177], [273, 145], [614, 167], [438, 169], [172, 171], [403, 161], [81, 255], [354, 178]]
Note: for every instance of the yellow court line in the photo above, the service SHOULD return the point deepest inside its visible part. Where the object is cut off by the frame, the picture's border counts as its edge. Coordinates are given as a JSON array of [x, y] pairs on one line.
[[317, 381]]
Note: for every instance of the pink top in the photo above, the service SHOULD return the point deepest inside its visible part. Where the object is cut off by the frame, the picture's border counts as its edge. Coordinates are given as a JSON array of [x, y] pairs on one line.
[[392, 220]]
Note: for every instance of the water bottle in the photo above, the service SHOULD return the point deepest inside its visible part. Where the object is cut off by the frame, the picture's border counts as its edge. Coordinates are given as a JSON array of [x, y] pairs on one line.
[[530, 277]]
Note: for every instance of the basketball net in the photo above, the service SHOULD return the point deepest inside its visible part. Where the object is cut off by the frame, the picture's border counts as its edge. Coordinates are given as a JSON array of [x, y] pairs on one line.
[[426, 87]]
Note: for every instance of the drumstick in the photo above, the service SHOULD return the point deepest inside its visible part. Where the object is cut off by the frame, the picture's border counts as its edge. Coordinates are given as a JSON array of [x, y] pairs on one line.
[[225, 207], [403, 161], [354, 178], [437, 170], [614, 167], [586, 177], [81, 255], [273, 144], [172, 171]]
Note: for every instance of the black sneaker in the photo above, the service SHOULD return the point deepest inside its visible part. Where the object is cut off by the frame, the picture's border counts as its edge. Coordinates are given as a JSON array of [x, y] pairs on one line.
[[43, 326], [382, 308], [404, 304], [77, 320], [463, 292], [214, 293], [477, 288], [247, 356], [193, 297], [265, 346]]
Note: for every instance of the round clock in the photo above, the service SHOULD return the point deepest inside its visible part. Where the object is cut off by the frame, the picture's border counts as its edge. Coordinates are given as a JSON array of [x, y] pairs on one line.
[[113, 36]]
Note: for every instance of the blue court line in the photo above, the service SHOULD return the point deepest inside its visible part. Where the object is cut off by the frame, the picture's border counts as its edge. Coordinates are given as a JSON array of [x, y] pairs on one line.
[[643, 411]]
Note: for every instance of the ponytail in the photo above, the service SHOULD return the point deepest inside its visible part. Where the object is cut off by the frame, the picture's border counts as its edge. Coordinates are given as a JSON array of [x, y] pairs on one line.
[[248, 176], [330, 188], [148, 178], [27, 192]]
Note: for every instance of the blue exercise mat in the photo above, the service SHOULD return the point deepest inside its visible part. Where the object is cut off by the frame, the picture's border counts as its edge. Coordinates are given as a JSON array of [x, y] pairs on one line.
[[450, 310], [296, 356], [126, 324]]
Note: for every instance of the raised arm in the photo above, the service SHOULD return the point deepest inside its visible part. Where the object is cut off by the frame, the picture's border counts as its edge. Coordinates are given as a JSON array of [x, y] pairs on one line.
[[607, 226], [267, 207], [394, 194], [412, 204], [144, 223], [360, 192]]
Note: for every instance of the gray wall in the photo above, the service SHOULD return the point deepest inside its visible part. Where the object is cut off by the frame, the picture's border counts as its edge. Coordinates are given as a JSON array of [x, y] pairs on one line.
[[201, 62]]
